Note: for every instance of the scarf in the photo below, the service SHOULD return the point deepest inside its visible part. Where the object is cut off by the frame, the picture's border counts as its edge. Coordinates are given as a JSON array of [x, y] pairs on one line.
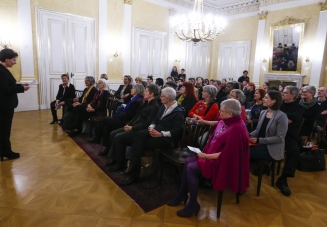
[[307, 105], [86, 94], [97, 99], [180, 100]]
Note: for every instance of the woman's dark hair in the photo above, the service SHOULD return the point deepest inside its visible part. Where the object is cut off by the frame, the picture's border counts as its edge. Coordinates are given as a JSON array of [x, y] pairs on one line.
[[189, 90], [64, 75], [7, 54], [153, 89], [159, 82], [277, 96], [129, 78], [268, 84]]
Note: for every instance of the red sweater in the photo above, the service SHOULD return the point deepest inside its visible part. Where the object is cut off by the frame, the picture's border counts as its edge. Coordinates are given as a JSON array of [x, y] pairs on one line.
[[200, 108]]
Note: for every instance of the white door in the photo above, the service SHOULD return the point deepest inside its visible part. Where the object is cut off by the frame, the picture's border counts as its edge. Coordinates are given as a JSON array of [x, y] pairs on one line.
[[66, 45], [197, 59], [149, 53]]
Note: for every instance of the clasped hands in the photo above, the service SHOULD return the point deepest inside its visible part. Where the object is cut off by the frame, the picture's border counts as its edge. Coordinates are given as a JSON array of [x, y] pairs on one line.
[[154, 133], [90, 108]]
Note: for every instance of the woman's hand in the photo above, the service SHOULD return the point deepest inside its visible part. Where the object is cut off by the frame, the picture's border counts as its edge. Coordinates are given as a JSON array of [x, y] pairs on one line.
[[62, 103], [253, 140], [75, 99], [127, 128], [202, 155], [249, 121], [76, 104], [154, 133], [199, 119]]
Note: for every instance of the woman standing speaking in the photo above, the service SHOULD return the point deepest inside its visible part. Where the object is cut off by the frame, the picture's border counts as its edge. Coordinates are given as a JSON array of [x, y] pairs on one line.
[[8, 101]]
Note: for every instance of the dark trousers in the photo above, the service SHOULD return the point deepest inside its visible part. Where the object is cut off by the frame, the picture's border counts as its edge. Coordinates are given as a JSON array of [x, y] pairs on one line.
[[292, 152], [80, 114], [260, 152], [54, 111], [6, 116], [140, 141], [104, 130]]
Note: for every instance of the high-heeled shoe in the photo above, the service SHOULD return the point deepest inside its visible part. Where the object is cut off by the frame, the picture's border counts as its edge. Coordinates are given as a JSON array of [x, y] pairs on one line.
[[10, 156], [174, 202], [184, 213]]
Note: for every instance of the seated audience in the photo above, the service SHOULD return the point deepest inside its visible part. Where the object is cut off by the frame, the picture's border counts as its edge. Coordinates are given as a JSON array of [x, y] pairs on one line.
[[66, 94], [138, 80], [187, 97], [265, 86], [229, 86], [199, 85], [182, 75], [311, 110], [159, 83], [83, 111], [206, 82], [281, 88], [243, 77], [256, 106], [105, 77], [171, 84], [294, 112], [269, 136], [322, 102], [119, 120], [221, 92], [123, 94], [249, 93], [223, 82], [207, 108], [174, 72], [238, 95], [224, 160], [140, 121], [161, 133]]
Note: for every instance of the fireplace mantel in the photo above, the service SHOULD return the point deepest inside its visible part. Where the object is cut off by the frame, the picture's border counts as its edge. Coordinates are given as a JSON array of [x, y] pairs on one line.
[[296, 78]]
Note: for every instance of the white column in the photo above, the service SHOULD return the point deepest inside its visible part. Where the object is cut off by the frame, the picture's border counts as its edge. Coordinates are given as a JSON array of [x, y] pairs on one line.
[[26, 40], [103, 37], [317, 57], [259, 50], [127, 39]]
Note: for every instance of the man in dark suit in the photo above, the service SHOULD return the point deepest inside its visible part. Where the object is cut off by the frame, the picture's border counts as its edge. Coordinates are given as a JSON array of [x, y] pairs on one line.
[[65, 94], [221, 92], [8, 101]]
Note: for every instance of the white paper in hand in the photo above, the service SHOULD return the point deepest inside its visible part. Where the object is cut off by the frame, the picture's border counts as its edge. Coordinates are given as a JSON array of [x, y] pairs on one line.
[[194, 149]]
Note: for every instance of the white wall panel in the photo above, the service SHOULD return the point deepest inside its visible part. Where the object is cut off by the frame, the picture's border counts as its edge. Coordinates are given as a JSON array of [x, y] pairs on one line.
[[233, 59], [197, 59], [156, 59], [54, 86], [57, 40], [80, 50], [144, 55]]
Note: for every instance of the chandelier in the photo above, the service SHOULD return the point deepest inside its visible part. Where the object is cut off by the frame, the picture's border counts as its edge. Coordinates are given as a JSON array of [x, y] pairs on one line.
[[197, 26]]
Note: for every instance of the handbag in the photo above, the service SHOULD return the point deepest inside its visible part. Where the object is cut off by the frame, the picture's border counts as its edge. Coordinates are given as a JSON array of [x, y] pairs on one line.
[[311, 160]]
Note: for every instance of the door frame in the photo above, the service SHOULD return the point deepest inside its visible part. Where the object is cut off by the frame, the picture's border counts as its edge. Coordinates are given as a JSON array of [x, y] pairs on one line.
[[40, 45]]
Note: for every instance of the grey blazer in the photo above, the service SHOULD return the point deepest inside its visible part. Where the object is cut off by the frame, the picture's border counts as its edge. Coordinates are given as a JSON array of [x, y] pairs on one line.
[[275, 133]]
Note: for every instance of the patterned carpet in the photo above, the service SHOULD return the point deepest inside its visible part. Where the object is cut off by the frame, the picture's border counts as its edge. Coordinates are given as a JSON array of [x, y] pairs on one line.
[[147, 192]]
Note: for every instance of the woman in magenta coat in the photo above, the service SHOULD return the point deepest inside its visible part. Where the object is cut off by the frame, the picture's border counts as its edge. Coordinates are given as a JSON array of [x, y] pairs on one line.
[[225, 160]]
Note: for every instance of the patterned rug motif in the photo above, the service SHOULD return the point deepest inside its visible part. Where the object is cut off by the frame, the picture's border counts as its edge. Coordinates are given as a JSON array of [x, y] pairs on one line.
[[147, 192]]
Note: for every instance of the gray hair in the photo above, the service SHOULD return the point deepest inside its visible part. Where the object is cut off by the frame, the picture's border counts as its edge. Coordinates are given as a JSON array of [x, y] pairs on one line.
[[91, 79], [232, 106], [105, 85], [212, 91], [169, 93], [310, 89], [293, 90], [104, 76], [139, 89], [239, 94]]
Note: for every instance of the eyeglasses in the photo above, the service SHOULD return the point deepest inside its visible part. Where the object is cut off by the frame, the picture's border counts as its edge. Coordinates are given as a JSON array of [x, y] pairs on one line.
[[223, 111]]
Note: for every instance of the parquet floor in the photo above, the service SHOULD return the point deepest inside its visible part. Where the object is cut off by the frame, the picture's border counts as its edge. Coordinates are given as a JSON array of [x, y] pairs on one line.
[[55, 184]]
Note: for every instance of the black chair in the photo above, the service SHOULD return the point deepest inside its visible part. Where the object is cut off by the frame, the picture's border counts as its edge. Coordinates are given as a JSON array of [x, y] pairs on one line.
[[262, 164]]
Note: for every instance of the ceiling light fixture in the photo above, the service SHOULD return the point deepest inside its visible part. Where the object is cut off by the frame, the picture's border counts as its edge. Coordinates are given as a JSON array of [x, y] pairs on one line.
[[197, 26]]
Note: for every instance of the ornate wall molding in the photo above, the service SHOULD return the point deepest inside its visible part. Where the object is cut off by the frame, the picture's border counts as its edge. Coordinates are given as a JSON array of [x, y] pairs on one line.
[[289, 20], [241, 10], [273, 2], [263, 15], [128, 2], [172, 12]]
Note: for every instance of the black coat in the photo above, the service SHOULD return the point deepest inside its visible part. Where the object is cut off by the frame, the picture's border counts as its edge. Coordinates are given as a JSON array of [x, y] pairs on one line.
[[187, 104], [126, 91], [144, 115], [172, 122], [68, 95], [132, 109], [90, 96], [8, 89]]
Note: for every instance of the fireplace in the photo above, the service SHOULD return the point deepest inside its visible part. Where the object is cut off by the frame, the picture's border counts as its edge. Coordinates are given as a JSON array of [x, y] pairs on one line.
[[289, 79]]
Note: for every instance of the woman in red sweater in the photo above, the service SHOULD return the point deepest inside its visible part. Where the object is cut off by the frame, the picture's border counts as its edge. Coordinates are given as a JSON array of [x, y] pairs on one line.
[[207, 109]]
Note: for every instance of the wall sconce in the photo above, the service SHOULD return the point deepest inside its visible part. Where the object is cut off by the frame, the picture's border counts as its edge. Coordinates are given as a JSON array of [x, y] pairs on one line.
[[5, 44], [116, 54], [307, 59], [178, 60], [264, 60]]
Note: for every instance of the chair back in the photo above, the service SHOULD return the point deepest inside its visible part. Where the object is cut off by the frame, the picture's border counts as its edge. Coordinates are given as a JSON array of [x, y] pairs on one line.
[[194, 134], [78, 93], [112, 105]]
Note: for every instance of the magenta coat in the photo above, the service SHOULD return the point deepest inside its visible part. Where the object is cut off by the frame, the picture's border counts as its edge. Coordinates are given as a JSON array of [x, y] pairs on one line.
[[231, 170]]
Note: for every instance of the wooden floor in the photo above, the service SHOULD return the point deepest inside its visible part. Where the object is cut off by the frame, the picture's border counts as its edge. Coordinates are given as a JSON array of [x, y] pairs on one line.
[[54, 183]]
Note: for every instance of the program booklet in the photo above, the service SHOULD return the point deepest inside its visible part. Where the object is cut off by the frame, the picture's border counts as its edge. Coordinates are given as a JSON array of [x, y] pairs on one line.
[[194, 149]]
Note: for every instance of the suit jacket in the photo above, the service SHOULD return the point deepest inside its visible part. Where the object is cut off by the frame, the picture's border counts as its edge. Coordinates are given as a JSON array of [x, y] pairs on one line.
[[68, 95], [8, 89], [126, 91], [90, 96], [275, 133], [144, 116], [132, 109], [101, 102]]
